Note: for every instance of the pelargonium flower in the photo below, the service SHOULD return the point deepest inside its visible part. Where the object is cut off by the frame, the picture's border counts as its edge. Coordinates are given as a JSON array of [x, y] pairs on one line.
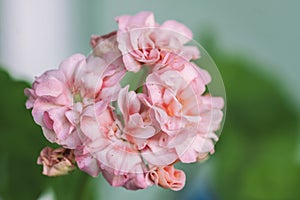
[[58, 97], [167, 177], [138, 126], [143, 41], [187, 118], [131, 133], [174, 96], [107, 150]]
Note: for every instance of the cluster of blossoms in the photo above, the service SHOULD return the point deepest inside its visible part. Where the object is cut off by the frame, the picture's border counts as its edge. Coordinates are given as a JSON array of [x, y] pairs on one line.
[[133, 136]]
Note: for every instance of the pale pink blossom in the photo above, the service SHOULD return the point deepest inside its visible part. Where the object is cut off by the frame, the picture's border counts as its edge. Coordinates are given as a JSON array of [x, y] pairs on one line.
[[138, 126], [143, 41], [167, 177], [58, 97], [174, 95], [108, 145], [91, 129], [187, 118], [156, 151]]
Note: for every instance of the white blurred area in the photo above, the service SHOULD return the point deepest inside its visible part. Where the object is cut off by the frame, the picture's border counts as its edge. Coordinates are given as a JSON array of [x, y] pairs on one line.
[[35, 35]]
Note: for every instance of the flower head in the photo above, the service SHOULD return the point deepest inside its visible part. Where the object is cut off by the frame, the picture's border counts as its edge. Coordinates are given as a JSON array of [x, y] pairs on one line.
[[132, 134]]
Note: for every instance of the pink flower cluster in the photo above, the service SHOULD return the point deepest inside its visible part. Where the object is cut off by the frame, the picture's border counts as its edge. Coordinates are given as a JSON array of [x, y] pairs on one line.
[[132, 136]]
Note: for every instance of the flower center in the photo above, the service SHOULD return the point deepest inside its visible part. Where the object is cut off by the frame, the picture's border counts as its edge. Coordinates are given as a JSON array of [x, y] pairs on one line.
[[77, 98]]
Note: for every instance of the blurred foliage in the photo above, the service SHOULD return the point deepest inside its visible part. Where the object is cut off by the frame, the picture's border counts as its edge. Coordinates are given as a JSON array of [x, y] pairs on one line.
[[256, 157], [20, 142]]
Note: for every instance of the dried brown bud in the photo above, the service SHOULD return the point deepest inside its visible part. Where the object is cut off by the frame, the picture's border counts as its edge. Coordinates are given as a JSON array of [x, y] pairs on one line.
[[56, 162]]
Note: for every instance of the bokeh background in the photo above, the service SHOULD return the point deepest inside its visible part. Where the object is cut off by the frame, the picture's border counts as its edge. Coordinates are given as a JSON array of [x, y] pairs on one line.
[[255, 45]]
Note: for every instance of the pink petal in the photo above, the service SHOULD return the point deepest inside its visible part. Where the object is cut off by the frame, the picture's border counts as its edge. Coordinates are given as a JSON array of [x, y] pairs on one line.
[[136, 181], [131, 64], [88, 164], [72, 67], [50, 86], [141, 19], [114, 180], [184, 34], [169, 177], [48, 121], [30, 93]]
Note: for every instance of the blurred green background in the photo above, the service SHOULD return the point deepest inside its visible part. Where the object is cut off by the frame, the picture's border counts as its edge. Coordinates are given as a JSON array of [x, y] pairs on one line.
[[255, 46]]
